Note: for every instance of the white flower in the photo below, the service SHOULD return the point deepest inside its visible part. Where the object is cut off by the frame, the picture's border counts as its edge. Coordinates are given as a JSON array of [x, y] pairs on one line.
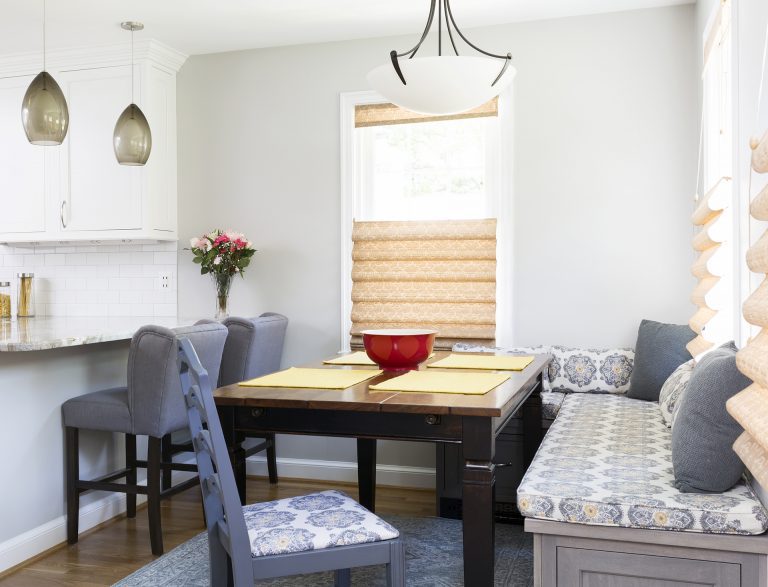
[[237, 269], [217, 260]]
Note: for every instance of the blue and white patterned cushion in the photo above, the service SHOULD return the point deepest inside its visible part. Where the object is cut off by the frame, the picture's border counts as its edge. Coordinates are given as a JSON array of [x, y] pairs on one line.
[[550, 404], [607, 460], [673, 390], [312, 522], [591, 370], [463, 347]]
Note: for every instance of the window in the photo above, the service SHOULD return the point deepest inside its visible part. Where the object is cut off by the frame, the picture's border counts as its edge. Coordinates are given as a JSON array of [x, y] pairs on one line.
[[717, 293], [441, 170], [399, 166]]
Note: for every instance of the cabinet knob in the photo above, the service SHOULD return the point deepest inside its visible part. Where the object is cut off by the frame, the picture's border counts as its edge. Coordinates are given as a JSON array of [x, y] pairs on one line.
[[257, 412], [432, 420]]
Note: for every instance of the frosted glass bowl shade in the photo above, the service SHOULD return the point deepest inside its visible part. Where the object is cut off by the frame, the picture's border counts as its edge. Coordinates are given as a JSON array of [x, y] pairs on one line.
[[441, 85], [132, 138], [44, 111]]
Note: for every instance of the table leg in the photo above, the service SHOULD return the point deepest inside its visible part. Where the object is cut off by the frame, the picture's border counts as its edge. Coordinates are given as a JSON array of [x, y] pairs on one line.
[[478, 496], [235, 446], [366, 472], [532, 432]]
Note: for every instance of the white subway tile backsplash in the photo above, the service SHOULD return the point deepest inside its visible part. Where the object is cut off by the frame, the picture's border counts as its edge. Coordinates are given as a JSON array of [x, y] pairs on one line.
[[165, 258], [97, 259], [95, 279]]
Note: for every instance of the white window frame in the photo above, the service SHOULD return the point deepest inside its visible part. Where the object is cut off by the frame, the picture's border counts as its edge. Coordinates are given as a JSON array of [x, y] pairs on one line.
[[351, 206]]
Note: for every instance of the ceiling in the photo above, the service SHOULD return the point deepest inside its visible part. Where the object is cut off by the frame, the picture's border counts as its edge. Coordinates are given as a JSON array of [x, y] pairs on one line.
[[211, 26]]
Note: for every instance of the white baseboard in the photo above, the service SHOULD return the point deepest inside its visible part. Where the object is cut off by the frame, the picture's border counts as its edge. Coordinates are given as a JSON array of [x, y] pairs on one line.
[[393, 475], [37, 540]]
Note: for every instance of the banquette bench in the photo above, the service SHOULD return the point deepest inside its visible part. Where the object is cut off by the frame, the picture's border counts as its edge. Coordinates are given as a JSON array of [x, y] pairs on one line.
[[600, 496]]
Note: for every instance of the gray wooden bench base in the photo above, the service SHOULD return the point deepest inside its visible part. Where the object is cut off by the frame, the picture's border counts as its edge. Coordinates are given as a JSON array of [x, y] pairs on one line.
[[570, 555]]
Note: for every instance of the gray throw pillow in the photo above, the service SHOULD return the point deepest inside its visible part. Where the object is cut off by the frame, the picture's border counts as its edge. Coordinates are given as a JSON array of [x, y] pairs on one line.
[[704, 432], [660, 349]]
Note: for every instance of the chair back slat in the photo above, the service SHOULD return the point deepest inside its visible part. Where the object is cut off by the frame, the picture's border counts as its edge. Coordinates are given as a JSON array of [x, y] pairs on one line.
[[223, 512]]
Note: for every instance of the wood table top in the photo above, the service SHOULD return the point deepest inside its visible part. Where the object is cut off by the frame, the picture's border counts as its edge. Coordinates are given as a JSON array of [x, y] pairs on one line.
[[360, 398]]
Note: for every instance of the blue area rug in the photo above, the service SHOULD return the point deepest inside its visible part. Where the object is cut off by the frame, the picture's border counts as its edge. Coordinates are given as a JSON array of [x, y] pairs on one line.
[[433, 559]]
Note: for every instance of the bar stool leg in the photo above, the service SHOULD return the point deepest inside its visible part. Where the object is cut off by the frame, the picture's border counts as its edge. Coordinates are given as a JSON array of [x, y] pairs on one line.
[[153, 495], [167, 456], [130, 478], [73, 476]]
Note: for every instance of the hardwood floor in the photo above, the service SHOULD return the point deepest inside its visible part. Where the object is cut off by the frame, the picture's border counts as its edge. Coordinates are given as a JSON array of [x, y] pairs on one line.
[[117, 548]]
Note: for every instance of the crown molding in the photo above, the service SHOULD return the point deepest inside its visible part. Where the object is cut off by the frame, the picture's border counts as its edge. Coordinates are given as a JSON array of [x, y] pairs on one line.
[[91, 57]]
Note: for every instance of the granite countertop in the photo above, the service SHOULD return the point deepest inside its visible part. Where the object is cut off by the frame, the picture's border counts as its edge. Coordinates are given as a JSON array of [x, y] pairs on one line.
[[48, 332]]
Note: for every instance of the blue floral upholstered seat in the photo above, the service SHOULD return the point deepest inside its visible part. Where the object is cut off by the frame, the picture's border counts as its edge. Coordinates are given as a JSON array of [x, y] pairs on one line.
[[607, 460], [312, 522]]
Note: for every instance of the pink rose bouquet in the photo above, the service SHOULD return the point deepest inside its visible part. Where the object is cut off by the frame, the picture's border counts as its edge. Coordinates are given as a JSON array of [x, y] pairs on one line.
[[222, 254]]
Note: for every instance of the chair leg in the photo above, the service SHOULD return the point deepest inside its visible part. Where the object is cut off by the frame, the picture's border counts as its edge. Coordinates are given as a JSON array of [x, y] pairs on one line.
[[219, 560], [342, 578], [130, 478], [153, 495], [396, 566], [71, 443], [167, 457], [272, 459]]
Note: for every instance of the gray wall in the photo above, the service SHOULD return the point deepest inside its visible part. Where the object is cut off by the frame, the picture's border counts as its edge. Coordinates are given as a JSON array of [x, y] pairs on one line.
[[605, 156]]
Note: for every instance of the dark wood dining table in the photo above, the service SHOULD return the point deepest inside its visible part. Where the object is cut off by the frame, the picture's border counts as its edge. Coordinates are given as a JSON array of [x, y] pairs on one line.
[[474, 421]]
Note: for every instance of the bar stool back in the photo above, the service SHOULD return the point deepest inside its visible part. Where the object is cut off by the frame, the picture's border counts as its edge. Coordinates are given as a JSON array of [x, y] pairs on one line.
[[254, 348], [150, 405]]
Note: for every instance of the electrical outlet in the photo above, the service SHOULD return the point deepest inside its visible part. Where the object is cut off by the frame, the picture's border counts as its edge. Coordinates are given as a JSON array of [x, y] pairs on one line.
[[164, 281]]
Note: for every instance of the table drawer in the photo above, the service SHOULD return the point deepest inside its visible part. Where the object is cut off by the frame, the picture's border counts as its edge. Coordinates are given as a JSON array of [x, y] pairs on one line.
[[354, 424]]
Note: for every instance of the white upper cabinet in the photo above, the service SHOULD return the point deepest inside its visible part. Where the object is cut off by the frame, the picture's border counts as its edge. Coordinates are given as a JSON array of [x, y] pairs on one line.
[[22, 167], [77, 191], [99, 193]]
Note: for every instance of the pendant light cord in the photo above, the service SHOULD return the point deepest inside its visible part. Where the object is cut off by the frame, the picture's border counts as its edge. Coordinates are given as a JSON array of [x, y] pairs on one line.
[[133, 101], [43, 35]]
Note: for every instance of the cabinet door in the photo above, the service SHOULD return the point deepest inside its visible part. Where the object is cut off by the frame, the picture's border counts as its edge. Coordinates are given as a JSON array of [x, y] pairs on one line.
[[22, 167], [98, 193]]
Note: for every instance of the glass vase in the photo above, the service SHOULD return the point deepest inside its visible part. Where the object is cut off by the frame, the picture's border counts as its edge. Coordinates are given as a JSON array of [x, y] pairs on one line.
[[223, 283]]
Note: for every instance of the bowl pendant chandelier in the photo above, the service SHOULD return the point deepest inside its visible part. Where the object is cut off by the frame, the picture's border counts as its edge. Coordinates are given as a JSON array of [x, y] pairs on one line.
[[44, 111], [442, 85], [132, 139]]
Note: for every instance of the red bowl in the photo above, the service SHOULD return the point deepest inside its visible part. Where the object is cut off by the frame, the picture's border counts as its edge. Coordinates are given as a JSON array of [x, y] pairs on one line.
[[398, 349]]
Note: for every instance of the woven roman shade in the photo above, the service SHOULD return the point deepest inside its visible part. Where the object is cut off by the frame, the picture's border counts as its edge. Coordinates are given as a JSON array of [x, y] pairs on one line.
[[750, 407], [414, 274], [388, 114], [714, 223]]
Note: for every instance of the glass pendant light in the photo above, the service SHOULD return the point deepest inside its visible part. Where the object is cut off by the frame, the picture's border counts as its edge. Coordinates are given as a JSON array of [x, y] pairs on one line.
[[132, 138], [44, 112], [442, 85]]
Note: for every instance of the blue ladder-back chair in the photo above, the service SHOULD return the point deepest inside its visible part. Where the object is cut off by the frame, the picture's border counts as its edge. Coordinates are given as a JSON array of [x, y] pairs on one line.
[[326, 531]]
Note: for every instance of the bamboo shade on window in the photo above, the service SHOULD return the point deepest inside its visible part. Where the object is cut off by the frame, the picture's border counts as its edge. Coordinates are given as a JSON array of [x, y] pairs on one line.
[[750, 407], [710, 215], [439, 275], [388, 114]]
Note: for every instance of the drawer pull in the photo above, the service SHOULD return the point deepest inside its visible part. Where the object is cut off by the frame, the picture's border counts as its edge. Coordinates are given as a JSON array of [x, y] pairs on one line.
[[257, 412], [432, 420]]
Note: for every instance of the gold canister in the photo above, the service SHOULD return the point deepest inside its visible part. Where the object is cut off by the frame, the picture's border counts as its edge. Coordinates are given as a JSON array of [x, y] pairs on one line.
[[5, 300], [25, 299]]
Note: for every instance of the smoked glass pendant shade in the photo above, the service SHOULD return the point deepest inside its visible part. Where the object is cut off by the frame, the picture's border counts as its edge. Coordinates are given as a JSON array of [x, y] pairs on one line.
[[132, 138], [44, 111]]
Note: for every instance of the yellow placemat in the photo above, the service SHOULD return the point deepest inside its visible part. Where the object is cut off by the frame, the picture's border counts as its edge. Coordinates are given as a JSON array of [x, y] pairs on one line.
[[443, 382], [313, 378], [358, 358], [492, 362]]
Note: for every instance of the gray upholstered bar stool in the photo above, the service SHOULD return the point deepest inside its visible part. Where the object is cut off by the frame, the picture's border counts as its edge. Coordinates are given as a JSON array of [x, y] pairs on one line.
[[254, 348], [151, 405]]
